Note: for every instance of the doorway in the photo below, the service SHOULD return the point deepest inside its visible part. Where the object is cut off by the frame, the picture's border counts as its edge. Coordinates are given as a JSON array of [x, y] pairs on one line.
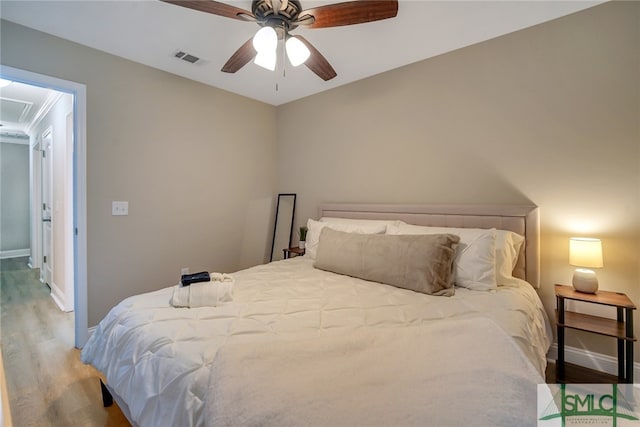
[[76, 182], [52, 206]]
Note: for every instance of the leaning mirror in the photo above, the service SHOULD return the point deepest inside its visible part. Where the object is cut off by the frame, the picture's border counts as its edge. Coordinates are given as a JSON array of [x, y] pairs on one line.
[[283, 227]]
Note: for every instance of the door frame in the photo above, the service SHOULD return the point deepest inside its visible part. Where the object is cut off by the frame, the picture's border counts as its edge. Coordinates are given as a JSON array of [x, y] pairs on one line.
[[35, 187], [79, 92], [46, 180]]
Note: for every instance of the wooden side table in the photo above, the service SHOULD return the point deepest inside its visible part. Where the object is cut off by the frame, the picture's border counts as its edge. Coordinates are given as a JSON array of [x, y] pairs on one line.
[[621, 328], [295, 251]]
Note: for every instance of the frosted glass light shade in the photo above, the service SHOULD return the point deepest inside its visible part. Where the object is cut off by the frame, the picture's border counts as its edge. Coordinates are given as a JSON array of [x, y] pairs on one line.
[[266, 60], [265, 40], [297, 52]]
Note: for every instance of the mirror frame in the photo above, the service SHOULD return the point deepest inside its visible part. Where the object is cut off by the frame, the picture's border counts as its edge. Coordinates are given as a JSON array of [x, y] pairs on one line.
[[275, 222]]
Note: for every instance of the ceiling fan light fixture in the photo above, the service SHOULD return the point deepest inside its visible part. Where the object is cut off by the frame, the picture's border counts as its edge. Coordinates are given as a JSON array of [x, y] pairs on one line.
[[297, 52], [277, 17], [266, 60], [265, 40]]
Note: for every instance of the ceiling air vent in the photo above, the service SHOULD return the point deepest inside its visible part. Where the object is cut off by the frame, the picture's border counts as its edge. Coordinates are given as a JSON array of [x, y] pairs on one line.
[[186, 57]]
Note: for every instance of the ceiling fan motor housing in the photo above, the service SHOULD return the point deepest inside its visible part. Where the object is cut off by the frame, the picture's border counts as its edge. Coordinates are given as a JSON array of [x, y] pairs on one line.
[[283, 18]]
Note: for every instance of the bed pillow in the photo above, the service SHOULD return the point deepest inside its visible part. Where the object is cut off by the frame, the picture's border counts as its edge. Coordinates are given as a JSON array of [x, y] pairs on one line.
[[421, 263], [352, 221], [475, 254], [315, 227], [508, 246]]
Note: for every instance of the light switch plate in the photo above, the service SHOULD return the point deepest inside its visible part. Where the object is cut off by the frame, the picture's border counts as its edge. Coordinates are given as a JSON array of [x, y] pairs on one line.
[[119, 208]]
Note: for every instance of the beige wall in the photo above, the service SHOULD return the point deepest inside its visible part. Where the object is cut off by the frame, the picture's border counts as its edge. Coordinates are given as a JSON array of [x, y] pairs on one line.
[[196, 164], [547, 115]]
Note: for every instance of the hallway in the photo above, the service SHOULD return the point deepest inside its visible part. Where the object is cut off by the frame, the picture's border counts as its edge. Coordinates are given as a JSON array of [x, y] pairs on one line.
[[46, 382]]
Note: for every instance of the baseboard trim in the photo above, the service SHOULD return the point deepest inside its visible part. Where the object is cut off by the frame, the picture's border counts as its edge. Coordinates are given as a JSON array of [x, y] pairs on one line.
[[58, 297], [15, 253], [589, 359], [55, 299]]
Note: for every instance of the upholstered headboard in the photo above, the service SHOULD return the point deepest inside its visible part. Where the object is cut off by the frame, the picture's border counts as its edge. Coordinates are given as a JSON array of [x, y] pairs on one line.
[[523, 220]]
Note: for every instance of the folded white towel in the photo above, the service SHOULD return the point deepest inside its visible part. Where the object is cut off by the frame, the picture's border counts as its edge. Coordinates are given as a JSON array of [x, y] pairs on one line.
[[204, 294]]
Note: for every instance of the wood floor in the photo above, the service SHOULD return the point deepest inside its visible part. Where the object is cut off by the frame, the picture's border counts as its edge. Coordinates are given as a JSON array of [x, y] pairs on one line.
[[47, 384]]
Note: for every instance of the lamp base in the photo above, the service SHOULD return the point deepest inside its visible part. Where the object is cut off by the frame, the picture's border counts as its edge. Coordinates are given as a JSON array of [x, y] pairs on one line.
[[585, 281]]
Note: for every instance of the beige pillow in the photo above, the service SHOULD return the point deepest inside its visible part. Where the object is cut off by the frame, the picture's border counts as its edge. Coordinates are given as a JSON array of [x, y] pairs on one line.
[[315, 227], [475, 254], [421, 263]]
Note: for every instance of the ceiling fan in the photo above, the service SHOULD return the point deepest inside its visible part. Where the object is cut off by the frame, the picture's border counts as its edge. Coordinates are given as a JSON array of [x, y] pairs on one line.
[[279, 17]]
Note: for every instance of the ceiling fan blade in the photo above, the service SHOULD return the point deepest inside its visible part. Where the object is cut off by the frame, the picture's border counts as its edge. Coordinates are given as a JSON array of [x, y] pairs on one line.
[[214, 7], [241, 57], [275, 5], [318, 63], [351, 12]]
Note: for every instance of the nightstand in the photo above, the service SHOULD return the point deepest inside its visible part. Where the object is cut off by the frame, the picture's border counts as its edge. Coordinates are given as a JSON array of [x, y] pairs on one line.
[[295, 251], [620, 328]]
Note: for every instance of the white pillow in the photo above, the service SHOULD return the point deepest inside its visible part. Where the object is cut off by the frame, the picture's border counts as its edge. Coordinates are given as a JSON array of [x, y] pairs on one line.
[[475, 254], [351, 221], [508, 245], [315, 227]]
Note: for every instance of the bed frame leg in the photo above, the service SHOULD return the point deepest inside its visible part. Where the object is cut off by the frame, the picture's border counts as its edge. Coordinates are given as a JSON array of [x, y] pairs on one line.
[[107, 399]]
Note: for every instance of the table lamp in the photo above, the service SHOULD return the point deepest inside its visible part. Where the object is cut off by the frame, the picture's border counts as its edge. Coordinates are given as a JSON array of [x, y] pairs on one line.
[[585, 252]]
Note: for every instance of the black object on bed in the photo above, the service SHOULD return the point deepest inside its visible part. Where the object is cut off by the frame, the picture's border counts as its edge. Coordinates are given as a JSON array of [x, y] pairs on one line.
[[188, 279]]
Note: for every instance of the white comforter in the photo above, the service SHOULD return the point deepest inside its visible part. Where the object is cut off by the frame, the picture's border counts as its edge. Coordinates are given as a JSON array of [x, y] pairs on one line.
[[413, 376], [158, 358]]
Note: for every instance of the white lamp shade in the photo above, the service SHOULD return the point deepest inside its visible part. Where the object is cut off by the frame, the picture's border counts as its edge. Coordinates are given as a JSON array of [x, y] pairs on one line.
[[585, 252], [266, 60], [297, 52], [4, 82], [265, 40]]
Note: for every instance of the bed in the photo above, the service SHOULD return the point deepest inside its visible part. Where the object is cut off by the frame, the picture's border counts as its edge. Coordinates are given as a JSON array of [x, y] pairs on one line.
[[300, 345]]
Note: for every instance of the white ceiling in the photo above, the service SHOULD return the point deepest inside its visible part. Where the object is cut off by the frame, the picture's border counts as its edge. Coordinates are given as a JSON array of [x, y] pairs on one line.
[[21, 105], [150, 32]]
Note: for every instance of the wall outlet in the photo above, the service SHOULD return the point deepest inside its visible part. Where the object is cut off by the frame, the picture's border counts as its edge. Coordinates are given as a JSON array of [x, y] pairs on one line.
[[184, 270]]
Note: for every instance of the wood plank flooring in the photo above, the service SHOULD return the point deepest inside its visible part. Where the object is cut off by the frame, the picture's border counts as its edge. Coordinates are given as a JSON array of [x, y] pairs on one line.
[[47, 384]]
